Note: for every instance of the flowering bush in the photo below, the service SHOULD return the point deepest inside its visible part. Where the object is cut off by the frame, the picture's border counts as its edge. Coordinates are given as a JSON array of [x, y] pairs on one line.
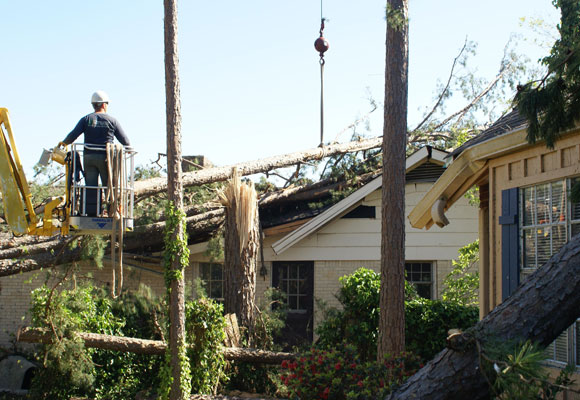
[[339, 374]]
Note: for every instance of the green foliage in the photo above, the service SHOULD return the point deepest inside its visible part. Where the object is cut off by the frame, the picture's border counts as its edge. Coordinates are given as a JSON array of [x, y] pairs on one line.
[[205, 326], [259, 378], [69, 368], [47, 182], [519, 374], [175, 245], [357, 323], [176, 252], [427, 321], [552, 104], [143, 172], [215, 247], [341, 374], [395, 18], [461, 285], [93, 248]]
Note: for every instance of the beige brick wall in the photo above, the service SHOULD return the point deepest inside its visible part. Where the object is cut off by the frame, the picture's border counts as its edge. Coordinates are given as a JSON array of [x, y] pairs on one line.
[[15, 291], [326, 283]]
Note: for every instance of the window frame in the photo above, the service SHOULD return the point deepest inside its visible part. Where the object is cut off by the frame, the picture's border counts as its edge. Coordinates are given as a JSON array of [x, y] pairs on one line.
[[208, 284], [431, 281], [570, 335]]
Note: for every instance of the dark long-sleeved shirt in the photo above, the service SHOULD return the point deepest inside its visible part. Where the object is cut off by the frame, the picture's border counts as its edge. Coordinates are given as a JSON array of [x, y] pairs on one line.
[[99, 129]]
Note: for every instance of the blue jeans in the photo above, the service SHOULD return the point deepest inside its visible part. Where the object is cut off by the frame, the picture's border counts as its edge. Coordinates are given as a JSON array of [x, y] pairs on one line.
[[95, 165]]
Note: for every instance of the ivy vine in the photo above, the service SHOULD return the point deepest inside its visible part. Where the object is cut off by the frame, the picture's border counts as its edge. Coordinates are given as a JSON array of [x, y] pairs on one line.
[[175, 249]]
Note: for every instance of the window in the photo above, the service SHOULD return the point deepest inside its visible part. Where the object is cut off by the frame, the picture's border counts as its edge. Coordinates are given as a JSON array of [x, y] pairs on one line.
[[421, 276], [549, 220], [293, 281], [212, 276]]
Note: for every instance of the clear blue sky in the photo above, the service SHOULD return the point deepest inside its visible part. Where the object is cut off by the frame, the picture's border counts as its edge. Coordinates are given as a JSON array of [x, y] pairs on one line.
[[249, 72]]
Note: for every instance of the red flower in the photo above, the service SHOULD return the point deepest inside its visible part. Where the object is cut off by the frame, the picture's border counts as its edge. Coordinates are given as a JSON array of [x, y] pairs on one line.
[[325, 393], [337, 366], [285, 364], [353, 365], [382, 383], [319, 359], [360, 384]]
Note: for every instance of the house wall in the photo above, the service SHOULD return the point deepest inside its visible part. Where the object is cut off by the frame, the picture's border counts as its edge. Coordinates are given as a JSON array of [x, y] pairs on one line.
[[344, 245], [359, 239], [535, 165], [15, 291]]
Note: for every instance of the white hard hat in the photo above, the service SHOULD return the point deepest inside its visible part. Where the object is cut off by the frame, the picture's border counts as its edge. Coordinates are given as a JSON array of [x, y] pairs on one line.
[[100, 97]]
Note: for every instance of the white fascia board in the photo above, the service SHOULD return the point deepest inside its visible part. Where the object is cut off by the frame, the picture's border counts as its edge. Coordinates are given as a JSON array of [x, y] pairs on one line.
[[340, 208], [421, 156]]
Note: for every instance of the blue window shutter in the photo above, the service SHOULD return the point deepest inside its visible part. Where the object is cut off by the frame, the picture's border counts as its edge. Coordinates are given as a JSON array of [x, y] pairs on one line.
[[509, 242]]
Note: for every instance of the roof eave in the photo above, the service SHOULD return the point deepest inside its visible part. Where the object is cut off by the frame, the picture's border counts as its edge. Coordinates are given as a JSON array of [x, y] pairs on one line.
[[451, 185]]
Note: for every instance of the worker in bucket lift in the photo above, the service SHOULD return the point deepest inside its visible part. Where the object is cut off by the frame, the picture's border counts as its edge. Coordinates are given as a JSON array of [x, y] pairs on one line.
[[99, 129]]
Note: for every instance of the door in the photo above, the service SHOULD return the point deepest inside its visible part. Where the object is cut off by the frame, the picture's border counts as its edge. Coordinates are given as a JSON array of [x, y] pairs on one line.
[[296, 280]]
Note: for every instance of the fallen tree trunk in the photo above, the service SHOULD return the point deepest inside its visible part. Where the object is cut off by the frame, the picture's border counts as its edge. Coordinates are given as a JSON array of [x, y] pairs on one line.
[[150, 347], [542, 307], [29, 253], [57, 252], [153, 186]]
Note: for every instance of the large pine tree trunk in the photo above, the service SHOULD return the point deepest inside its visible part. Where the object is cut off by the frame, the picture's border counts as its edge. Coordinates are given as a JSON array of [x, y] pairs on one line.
[[177, 340], [392, 301], [544, 305], [241, 252], [153, 186]]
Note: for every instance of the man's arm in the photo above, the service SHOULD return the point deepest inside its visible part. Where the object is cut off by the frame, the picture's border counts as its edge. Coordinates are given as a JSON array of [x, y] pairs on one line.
[[120, 135], [76, 132]]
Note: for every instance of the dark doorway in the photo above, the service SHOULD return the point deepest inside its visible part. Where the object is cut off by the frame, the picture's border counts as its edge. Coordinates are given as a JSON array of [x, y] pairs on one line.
[[296, 279]]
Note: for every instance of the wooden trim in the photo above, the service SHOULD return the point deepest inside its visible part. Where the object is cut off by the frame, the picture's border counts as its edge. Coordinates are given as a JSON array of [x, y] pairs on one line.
[[467, 185], [285, 228]]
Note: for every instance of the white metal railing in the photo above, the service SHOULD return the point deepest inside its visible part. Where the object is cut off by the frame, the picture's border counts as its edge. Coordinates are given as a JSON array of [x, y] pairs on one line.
[[79, 191]]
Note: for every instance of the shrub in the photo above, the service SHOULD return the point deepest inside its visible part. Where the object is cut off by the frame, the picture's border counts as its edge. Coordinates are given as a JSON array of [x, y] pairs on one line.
[[69, 368], [205, 326], [340, 374], [518, 373], [461, 285], [427, 321]]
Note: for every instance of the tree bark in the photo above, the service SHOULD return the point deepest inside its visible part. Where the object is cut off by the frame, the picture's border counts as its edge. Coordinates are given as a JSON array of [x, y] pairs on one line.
[[241, 252], [151, 347], [542, 307], [176, 233], [392, 297], [153, 186]]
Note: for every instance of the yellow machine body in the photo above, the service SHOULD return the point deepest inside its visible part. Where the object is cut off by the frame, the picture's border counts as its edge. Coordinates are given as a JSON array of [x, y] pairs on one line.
[[18, 209]]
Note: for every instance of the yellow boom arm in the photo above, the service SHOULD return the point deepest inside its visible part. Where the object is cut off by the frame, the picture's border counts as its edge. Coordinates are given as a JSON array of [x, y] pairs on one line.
[[18, 209]]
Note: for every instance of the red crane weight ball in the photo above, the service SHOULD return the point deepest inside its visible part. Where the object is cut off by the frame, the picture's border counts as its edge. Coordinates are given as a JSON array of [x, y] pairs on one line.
[[321, 45]]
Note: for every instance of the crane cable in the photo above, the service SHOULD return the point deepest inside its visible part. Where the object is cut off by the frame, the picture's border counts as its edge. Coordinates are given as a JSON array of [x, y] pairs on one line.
[[321, 45]]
